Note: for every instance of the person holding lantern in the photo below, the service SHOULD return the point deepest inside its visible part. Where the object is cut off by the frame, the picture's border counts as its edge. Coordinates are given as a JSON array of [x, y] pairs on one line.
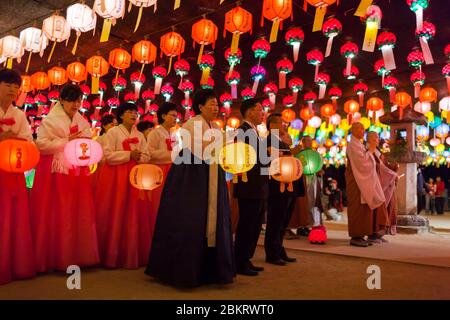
[[63, 211], [193, 244], [123, 212], [16, 249]]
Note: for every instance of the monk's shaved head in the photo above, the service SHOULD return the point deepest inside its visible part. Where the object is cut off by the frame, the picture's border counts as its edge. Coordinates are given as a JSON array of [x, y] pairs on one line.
[[358, 130]]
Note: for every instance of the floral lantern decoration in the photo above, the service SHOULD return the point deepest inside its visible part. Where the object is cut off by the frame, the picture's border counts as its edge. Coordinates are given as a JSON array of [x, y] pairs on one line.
[[172, 45], [425, 34], [284, 66], [446, 74], [113, 103], [335, 93], [352, 75], [76, 72], [360, 89], [130, 97], [233, 58], [141, 4], [167, 91], [415, 59], [295, 37], [237, 22], [226, 100], [444, 106], [386, 42], [187, 87], [33, 41], [261, 49], [209, 84], [349, 50], [148, 96], [137, 79], [381, 70], [204, 32], [98, 105], [56, 29], [119, 84], [296, 85], [247, 93], [206, 65], [159, 73], [321, 9], [233, 80], [391, 84], [310, 98], [257, 73], [80, 18], [97, 67], [266, 105], [182, 69], [447, 51], [53, 96], [418, 79], [315, 58], [40, 100], [86, 91], [331, 28], [85, 106], [417, 6], [276, 11], [110, 11], [271, 91], [288, 101], [28, 103], [322, 80]]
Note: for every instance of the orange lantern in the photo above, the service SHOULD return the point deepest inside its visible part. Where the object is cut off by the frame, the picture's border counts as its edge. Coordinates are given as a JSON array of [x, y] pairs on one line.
[[329, 143], [146, 176], [76, 72], [321, 10], [374, 105], [428, 94], [57, 76], [351, 107], [233, 122], [288, 115], [306, 114], [402, 100], [26, 84], [286, 170], [204, 32], [327, 110], [40, 80], [276, 11], [219, 123], [120, 59], [97, 67], [314, 144], [237, 21], [18, 156], [143, 52], [172, 44]]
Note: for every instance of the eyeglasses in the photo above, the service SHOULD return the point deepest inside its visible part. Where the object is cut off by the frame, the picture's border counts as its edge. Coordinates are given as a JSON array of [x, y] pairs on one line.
[[132, 112]]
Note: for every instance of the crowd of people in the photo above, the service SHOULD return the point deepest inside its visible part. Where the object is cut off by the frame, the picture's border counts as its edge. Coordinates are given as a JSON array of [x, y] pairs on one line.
[[432, 195]]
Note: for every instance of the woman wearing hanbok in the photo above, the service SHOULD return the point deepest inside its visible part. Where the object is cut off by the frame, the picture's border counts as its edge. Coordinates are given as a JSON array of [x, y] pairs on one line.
[[192, 243], [63, 212], [16, 248], [123, 212]]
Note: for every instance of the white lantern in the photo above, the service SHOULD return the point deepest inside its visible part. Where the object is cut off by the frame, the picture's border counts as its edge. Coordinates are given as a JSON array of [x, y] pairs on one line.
[[141, 4], [110, 10], [315, 122], [335, 119], [33, 40], [56, 29], [11, 48], [447, 141], [356, 117], [81, 18], [435, 142], [422, 107]]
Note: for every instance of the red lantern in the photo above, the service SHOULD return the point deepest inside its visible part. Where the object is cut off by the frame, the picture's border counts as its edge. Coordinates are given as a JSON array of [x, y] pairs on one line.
[[391, 84], [288, 115], [18, 156], [381, 70], [331, 28], [237, 21], [446, 74], [428, 94], [351, 107], [360, 89], [335, 93], [159, 73], [271, 91], [310, 98], [233, 80], [354, 73], [57, 76], [40, 80], [315, 58], [207, 63], [276, 11], [349, 50], [172, 45], [284, 66], [322, 81], [204, 32], [306, 114], [374, 105], [76, 72], [119, 59], [182, 68], [418, 80], [402, 100], [296, 85], [294, 37], [426, 33], [386, 42]]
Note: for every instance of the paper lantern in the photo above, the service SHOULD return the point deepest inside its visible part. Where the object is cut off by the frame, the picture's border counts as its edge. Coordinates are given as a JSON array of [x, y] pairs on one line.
[[237, 158], [417, 6], [315, 58], [435, 142], [310, 98], [80, 18], [137, 79], [204, 32], [422, 107], [144, 52], [233, 58], [286, 170], [331, 28], [349, 50], [76, 72], [141, 4], [360, 89], [119, 59], [172, 45], [288, 115], [11, 48], [425, 34], [381, 70], [233, 122], [276, 11], [428, 94], [148, 96], [351, 107], [322, 80], [119, 84], [257, 73], [207, 63], [415, 59], [237, 22], [306, 114], [296, 85], [187, 87], [56, 29], [327, 110], [209, 84], [18, 156], [294, 37], [233, 80], [297, 124], [321, 9], [402, 100], [391, 84], [284, 66], [352, 75], [26, 85], [444, 106], [374, 105], [315, 122], [146, 177], [182, 69], [110, 11], [247, 93], [288, 101], [311, 161], [271, 91], [261, 49], [97, 67], [167, 91], [447, 51], [159, 73], [372, 18], [386, 42], [40, 80], [418, 79], [446, 74], [335, 119], [57, 76], [33, 41]]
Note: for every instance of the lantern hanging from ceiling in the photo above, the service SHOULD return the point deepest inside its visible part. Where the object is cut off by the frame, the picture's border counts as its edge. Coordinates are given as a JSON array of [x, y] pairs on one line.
[[167, 91], [141, 4], [226, 100], [110, 11], [331, 28], [233, 80], [315, 58], [187, 87], [172, 45], [271, 91], [260, 48], [335, 93], [18, 156], [288, 115], [237, 22], [247, 93], [415, 59], [57, 76], [119, 59], [381, 70], [97, 67], [257, 73], [182, 68], [444, 106], [76, 72], [360, 89], [351, 107], [446, 74], [233, 58], [284, 66], [418, 79], [288, 103], [81, 18], [206, 65], [148, 96], [276, 11], [417, 6], [349, 50], [403, 101], [306, 114], [26, 85], [137, 79], [428, 94], [204, 32], [386, 42], [374, 106], [143, 52], [286, 170], [322, 81], [233, 122], [372, 19], [321, 9], [425, 34], [11, 48], [296, 85], [294, 37], [40, 80], [310, 98], [32, 40], [391, 84], [159, 73], [354, 72], [56, 29]]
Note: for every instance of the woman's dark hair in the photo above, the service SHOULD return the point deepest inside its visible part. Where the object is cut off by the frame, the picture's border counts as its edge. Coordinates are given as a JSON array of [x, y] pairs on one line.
[[165, 109], [125, 107], [70, 92], [271, 118], [248, 104], [144, 125], [10, 76], [106, 119], [200, 98]]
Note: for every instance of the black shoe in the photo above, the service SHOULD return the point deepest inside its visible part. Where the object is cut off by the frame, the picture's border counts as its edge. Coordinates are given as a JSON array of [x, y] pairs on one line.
[[254, 268], [288, 259], [303, 232], [277, 262], [247, 272]]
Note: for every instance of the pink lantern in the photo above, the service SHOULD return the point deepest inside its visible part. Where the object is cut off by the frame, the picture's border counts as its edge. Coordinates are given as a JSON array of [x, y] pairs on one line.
[[233, 58], [418, 79], [53, 96], [266, 105], [113, 103], [386, 42], [331, 28], [425, 34], [137, 79], [271, 91], [148, 96], [322, 80], [296, 85], [247, 93], [284, 66], [182, 69], [334, 93], [159, 73], [360, 89], [391, 84], [315, 122], [315, 58], [422, 107], [167, 91], [349, 50], [381, 70], [294, 37], [233, 80], [83, 152], [187, 87], [258, 73], [415, 59]]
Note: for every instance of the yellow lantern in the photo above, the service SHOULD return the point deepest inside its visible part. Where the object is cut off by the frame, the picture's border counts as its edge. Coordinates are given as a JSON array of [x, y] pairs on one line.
[[146, 177], [81, 18], [110, 11], [11, 48], [286, 170], [56, 29], [365, 122], [237, 158]]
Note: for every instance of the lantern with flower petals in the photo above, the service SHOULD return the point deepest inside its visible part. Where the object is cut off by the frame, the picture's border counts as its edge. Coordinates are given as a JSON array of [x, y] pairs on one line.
[[322, 81], [53, 96], [98, 105], [187, 87], [386, 42], [110, 11], [159, 73], [172, 45], [417, 6], [81, 18], [204, 32], [130, 97], [113, 103], [381, 70], [247, 93], [447, 51], [271, 91], [446, 74], [182, 69], [257, 73], [351, 107], [418, 79], [85, 90], [415, 59], [137, 79], [331, 28], [97, 67], [294, 37], [143, 52], [321, 9], [237, 22], [266, 105], [296, 85], [233, 58], [226, 100], [391, 84], [56, 29], [148, 96], [288, 101], [315, 58], [349, 50], [360, 89], [284, 66], [119, 84], [425, 34], [233, 80], [261, 49], [335, 93], [310, 98], [167, 91], [32, 40], [141, 4], [76, 72], [85, 106], [276, 11], [40, 80], [353, 74], [207, 63], [11, 48], [40, 100]]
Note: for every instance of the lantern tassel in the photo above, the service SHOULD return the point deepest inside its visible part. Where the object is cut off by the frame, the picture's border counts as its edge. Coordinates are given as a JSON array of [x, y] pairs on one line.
[[142, 70], [158, 83], [294, 96], [28, 62], [426, 50], [334, 102], [181, 82], [348, 67], [329, 45], [388, 57], [362, 8], [106, 30], [138, 20], [282, 187], [170, 65], [235, 178], [419, 18], [95, 85], [255, 85], [147, 106], [448, 84], [318, 18], [370, 37], [383, 75], [234, 90], [74, 49], [392, 95], [9, 63], [274, 30], [282, 80], [272, 99], [316, 72], [117, 75], [296, 50], [361, 99], [322, 89], [244, 177], [200, 53], [51, 52], [176, 4], [205, 75], [231, 69], [416, 89], [310, 107], [235, 42]]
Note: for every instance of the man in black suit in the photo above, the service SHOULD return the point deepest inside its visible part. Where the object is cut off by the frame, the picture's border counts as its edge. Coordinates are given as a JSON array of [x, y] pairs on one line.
[[251, 195]]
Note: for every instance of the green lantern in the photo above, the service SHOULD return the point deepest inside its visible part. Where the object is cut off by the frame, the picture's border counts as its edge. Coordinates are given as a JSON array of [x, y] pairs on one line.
[[311, 160]]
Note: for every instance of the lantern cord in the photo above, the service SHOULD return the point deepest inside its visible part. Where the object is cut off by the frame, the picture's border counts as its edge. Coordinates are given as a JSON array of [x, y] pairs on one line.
[[200, 53], [138, 20], [74, 50], [142, 70], [51, 52], [28, 62]]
